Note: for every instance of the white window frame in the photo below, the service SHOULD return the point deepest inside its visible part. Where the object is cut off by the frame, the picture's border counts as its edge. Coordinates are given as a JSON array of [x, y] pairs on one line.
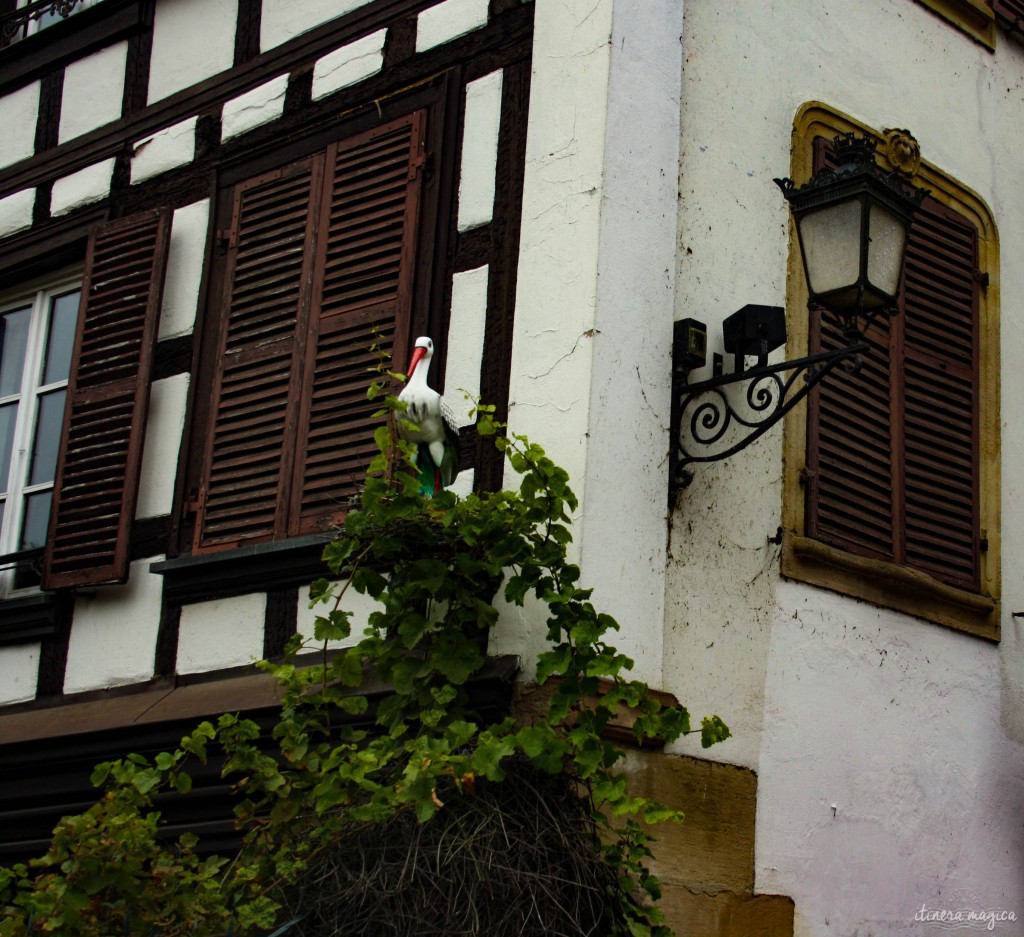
[[38, 295]]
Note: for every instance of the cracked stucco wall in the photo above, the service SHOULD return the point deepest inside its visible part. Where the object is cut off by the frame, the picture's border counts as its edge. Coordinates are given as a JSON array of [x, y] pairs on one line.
[[596, 276]]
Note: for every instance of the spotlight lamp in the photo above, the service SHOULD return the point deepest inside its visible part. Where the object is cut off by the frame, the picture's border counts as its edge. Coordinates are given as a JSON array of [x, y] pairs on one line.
[[852, 224]]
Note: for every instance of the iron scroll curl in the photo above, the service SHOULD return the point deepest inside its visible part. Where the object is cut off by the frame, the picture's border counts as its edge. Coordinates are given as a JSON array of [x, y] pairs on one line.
[[705, 412]]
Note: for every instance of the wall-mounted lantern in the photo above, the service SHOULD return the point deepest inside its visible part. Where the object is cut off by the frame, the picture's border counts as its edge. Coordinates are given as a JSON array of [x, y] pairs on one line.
[[852, 224]]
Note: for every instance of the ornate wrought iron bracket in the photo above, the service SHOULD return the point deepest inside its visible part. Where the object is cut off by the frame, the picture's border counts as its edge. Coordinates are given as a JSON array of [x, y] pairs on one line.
[[708, 424], [13, 25]]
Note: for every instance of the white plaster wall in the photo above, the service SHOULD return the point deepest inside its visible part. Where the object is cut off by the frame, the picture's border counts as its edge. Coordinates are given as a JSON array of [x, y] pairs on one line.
[[349, 64], [556, 292], [254, 108], [184, 269], [167, 149], [282, 20], [164, 426], [19, 111], [16, 211], [221, 633], [19, 672], [595, 293], [447, 20], [192, 40], [93, 91], [912, 731], [479, 151], [466, 342], [896, 725], [623, 551], [360, 606], [80, 188], [113, 639]]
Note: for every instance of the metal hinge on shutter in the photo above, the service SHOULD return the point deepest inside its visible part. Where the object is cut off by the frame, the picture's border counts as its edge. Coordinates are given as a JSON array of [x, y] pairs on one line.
[[227, 238], [981, 278], [196, 501], [421, 161], [983, 542]]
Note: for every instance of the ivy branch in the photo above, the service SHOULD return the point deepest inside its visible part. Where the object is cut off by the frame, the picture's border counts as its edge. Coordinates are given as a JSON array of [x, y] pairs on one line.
[[434, 569]]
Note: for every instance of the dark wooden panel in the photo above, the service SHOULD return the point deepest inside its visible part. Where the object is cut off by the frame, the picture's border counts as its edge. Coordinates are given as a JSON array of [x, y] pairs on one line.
[[266, 302], [104, 423], [247, 30], [893, 450], [940, 398], [362, 307]]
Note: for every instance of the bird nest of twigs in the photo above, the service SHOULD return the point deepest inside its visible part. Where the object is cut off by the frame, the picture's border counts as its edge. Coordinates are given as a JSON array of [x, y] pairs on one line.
[[507, 859]]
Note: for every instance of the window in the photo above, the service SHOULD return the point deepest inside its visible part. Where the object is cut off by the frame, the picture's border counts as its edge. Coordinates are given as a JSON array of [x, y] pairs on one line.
[[895, 498], [27, 17], [37, 330], [316, 268]]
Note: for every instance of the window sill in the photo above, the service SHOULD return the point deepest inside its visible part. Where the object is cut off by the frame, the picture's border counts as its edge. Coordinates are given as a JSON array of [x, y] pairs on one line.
[[973, 17], [31, 618], [262, 567], [890, 586]]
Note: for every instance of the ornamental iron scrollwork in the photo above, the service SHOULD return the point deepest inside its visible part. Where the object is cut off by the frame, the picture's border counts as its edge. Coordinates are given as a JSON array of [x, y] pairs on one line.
[[708, 412], [14, 25]]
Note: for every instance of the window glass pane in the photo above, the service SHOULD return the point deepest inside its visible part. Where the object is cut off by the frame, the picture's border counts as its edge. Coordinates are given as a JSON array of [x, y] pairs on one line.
[[61, 338], [13, 334], [55, 15], [49, 420], [37, 517], [28, 573], [8, 414]]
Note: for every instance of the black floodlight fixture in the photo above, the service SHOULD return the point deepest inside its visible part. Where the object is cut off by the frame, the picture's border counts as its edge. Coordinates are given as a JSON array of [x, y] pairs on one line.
[[852, 223], [754, 330]]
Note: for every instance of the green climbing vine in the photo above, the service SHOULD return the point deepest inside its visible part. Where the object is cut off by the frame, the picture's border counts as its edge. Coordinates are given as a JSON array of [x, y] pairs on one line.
[[434, 569]]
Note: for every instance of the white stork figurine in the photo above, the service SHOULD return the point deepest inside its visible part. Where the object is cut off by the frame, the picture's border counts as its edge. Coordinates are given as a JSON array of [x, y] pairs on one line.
[[435, 428]]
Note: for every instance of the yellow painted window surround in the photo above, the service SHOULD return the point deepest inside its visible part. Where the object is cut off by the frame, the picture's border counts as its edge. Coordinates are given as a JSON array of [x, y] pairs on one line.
[[877, 581], [973, 17]]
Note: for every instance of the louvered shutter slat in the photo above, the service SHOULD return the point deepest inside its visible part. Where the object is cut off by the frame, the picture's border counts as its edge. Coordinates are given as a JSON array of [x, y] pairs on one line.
[[1010, 15], [254, 396], [108, 398], [852, 473], [368, 250], [940, 391], [913, 499]]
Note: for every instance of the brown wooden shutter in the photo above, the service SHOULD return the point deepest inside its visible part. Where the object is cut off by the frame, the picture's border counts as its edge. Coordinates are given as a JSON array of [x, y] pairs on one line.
[[108, 397], [365, 285], [850, 452], [940, 404], [1010, 15], [266, 303], [850, 439], [892, 451]]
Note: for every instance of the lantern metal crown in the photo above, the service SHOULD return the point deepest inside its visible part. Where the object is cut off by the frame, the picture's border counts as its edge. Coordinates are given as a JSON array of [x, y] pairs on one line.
[[852, 224]]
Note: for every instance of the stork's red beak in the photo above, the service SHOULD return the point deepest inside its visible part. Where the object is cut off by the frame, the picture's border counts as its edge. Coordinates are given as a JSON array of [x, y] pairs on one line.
[[418, 352]]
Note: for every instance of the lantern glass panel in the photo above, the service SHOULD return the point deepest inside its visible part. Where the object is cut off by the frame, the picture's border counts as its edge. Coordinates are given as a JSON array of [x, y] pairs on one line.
[[888, 237], [830, 238]]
